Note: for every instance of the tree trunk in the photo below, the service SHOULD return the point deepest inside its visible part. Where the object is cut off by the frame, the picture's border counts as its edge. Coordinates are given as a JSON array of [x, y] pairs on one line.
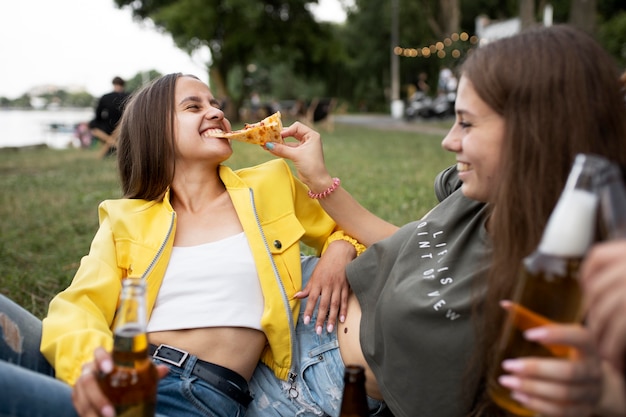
[[582, 14], [527, 13], [450, 16], [220, 89]]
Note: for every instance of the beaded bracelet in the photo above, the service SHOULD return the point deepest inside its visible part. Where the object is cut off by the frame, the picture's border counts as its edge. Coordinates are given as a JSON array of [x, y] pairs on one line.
[[326, 192]]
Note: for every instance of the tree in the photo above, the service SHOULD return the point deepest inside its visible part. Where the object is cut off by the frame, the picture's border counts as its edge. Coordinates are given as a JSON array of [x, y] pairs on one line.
[[583, 14], [243, 34]]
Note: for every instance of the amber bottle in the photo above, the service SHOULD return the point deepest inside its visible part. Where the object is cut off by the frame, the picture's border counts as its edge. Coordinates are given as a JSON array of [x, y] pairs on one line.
[[354, 401], [548, 289], [132, 384]]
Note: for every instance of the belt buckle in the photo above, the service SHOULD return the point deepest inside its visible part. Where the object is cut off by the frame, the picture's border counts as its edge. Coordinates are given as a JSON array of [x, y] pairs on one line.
[[179, 363]]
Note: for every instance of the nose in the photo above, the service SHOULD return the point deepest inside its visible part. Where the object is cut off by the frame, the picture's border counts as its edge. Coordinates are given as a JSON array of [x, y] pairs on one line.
[[214, 113], [452, 141]]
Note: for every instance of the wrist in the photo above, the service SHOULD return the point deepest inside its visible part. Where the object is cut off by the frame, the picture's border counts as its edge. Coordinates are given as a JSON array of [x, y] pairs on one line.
[[321, 192]]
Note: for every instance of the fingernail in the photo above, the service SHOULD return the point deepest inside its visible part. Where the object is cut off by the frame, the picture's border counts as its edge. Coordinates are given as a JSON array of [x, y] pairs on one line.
[[536, 333], [342, 319], [509, 381], [106, 366], [307, 319], [330, 328], [519, 397], [513, 365], [318, 330], [107, 411], [269, 146]]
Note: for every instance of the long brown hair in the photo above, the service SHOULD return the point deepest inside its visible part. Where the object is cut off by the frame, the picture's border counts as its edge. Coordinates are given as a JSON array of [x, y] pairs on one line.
[[145, 150], [559, 94]]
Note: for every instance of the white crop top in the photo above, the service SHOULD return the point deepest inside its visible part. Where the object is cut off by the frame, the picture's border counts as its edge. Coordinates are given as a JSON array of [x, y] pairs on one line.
[[210, 285]]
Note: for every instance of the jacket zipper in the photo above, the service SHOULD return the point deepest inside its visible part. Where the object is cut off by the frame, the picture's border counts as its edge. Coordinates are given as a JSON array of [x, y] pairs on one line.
[[160, 251], [283, 293]]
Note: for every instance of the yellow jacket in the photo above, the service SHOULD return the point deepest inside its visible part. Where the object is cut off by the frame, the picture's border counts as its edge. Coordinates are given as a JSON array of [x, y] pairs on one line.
[[135, 237]]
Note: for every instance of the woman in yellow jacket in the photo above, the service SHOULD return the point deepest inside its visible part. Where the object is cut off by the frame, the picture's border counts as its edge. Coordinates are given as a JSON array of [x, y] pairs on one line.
[[219, 251]]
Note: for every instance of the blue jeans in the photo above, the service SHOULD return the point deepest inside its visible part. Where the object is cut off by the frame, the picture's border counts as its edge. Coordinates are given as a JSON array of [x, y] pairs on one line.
[[27, 384], [182, 394], [318, 386], [28, 387]]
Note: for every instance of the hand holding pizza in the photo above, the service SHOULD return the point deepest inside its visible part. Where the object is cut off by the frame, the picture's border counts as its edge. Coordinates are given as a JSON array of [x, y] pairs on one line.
[[307, 155]]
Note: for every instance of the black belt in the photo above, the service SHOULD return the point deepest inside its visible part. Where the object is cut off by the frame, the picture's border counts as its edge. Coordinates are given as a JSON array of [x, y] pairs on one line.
[[227, 381]]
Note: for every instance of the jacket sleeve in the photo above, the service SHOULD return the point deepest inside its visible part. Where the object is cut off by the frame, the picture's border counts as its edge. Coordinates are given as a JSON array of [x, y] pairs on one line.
[[79, 318]]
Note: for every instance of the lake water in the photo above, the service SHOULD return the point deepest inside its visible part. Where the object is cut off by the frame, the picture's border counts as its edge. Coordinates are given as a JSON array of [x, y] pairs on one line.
[[55, 128]]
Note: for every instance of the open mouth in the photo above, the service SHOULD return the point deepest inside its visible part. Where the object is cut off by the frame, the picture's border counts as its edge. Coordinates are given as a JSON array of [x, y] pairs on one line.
[[213, 133], [462, 166]]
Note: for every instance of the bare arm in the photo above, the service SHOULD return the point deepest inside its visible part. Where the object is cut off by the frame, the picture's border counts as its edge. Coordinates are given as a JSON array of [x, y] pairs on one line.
[[308, 157]]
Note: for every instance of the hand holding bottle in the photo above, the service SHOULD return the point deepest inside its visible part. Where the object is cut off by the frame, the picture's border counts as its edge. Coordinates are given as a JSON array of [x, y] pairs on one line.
[[87, 396], [604, 279], [555, 386]]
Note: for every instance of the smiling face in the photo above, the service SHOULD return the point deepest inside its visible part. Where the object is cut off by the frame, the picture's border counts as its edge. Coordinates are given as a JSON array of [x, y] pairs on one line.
[[197, 111], [476, 138]]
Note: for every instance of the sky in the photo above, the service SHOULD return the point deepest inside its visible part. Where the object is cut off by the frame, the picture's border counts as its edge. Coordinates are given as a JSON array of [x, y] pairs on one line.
[[85, 43]]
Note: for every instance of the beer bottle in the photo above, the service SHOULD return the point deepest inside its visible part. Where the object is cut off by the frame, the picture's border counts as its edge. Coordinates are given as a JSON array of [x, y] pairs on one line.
[[612, 194], [548, 289], [131, 386], [354, 401]]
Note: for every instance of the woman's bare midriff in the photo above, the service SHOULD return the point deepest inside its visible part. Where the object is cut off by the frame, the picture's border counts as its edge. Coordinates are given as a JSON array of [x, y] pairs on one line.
[[350, 346], [235, 348]]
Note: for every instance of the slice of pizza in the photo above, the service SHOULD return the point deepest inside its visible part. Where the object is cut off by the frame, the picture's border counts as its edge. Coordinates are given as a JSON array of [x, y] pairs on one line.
[[267, 130]]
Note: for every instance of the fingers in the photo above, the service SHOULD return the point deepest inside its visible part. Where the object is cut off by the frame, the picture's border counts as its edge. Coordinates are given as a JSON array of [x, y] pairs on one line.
[[328, 308], [600, 256], [603, 275], [328, 287], [300, 132], [87, 397], [553, 386]]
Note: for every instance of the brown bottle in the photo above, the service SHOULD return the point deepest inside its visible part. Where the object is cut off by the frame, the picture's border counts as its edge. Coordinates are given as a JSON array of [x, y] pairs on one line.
[[354, 401], [548, 289], [132, 385]]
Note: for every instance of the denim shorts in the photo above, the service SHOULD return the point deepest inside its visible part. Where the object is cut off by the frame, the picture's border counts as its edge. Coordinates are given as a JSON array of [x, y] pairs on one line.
[[182, 394], [318, 386]]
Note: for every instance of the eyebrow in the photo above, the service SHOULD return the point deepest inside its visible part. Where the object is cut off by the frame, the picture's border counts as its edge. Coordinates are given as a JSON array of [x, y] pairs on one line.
[[190, 98], [197, 99]]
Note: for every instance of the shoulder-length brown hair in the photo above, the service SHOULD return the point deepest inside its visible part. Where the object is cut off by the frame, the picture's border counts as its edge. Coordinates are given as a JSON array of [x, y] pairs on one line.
[[145, 150], [559, 94]]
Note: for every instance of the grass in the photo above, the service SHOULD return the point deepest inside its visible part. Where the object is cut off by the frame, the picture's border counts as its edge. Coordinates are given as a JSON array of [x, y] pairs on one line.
[[49, 198]]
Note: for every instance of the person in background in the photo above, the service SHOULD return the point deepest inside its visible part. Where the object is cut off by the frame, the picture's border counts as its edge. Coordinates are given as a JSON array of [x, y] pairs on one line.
[[424, 314], [422, 83], [603, 276], [108, 114], [220, 253]]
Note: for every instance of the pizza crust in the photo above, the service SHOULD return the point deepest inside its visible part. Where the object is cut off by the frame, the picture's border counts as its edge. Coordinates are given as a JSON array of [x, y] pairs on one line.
[[267, 130]]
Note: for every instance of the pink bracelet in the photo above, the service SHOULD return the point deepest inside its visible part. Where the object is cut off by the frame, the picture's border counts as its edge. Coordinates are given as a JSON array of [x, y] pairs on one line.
[[326, 192]]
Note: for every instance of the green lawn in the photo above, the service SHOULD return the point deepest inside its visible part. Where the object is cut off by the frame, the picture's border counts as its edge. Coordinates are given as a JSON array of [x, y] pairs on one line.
[[49, 198]]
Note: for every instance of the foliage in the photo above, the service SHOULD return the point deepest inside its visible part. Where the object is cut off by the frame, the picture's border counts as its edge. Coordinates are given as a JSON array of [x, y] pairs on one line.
[[244, 32], [274, 47], [140, 79], [49, 204], [612, 34]]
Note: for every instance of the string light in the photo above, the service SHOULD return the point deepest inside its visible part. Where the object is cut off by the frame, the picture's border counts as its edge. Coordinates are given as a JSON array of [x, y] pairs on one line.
[[438, 49]]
